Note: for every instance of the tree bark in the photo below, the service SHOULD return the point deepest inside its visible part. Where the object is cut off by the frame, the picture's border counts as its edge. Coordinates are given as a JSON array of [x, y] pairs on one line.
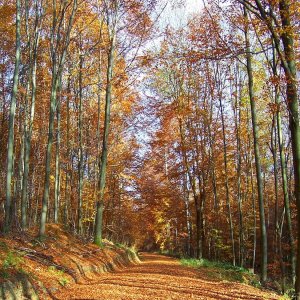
[[104, 154], [80, 163], [263, 231], [57, 166], [11, 125], [293, 105], [227, 184], [57, 68]]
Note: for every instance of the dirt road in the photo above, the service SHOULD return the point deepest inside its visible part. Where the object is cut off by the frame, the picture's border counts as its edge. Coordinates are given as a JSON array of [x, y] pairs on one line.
[[160, 277]]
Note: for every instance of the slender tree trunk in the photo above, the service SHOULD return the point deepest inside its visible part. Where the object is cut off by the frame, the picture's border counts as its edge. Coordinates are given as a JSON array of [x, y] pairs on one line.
[[102, 179], [48, 157], [282, 264], [57, 166], [216, 209], [30, 115], [288, 62], [263, 231], [193, 187], [239, 193], [294, 122], [274, 154], [68, 168], [254, 216], [19, 185], [199, 224], [11, 125], [227, 185], [80, 164], [57, 68], [188, 214], [285, 189], [28, 135]]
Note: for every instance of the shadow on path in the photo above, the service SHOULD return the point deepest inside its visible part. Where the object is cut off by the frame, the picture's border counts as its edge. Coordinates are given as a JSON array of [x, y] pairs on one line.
[[160, 277]]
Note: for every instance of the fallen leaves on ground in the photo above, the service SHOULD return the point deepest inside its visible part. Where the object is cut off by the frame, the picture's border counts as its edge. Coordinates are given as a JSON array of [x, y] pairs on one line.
[[160, 277]]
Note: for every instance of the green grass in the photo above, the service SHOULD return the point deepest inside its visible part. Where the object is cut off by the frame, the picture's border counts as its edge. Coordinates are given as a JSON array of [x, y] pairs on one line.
[[11, 263], [222, 271], [59, 274]]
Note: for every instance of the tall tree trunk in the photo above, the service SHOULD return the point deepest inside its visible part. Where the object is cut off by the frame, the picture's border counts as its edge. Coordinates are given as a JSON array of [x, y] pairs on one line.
[[29, 113], [293, 104], [188, 214], [285, 187], [102, 179], [57, 68], [80, 163], [288, 62], [11, 125], [227, 184], [68, 168], [28, 132], [191, 180], [48, 157], [239, 166], [263, 231], [275, 166], [57, 166], [254, 213]]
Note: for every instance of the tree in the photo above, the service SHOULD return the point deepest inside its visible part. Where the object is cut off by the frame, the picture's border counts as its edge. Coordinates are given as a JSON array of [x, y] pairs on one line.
[[57, 68], [12, 114], [281, 30], [33, 43], [263, 232]]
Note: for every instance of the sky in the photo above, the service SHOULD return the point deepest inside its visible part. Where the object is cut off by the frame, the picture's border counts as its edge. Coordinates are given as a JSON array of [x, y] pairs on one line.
[[178, 16]]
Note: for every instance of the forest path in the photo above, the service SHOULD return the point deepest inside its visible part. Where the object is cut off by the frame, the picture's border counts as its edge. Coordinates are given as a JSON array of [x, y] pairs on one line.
[[160, 277]]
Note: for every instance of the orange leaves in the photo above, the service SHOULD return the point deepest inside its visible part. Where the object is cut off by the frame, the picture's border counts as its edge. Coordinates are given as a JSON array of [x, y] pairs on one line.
[[138, 17], [7, 28]]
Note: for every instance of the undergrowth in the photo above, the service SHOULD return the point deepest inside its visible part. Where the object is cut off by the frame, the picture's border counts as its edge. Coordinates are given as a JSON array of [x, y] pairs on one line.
[[223, 271], [11, 262], [59, 275], [226, 271]]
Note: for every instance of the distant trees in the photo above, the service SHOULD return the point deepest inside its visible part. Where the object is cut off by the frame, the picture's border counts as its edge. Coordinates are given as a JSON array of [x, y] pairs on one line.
[[211, 132]]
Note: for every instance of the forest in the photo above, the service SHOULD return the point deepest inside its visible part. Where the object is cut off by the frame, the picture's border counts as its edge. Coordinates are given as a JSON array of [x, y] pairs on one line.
[[181, 139]]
